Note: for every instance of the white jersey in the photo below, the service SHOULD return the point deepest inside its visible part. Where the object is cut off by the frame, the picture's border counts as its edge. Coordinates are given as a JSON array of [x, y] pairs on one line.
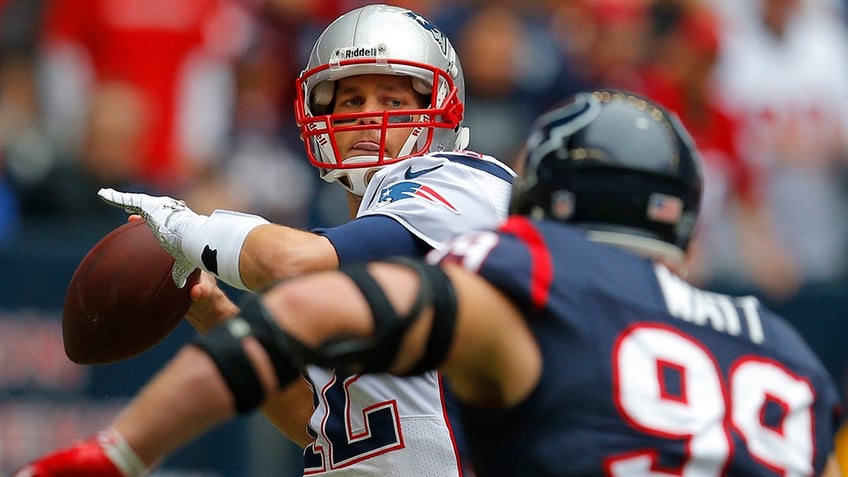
[[379, 424]]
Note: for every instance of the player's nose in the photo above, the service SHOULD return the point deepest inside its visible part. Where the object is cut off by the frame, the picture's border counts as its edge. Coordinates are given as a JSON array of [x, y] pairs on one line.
[[371, 104], [376, 119]]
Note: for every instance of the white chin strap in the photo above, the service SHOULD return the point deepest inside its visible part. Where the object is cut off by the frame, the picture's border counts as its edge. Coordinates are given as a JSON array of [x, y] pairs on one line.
[[352, 180], [415, 137], [356, 180], [463, 139]]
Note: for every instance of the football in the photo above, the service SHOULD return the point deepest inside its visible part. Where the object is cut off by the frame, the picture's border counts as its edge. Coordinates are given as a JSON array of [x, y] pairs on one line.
[[121, 300]]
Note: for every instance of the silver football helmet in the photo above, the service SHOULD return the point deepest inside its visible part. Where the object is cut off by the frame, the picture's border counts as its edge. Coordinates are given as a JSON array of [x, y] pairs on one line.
[[380, 39]]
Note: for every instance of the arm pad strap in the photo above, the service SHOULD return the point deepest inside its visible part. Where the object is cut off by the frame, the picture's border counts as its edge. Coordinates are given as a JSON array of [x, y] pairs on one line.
[[371, 354], [444, 315], [378, 352], [223, 344]]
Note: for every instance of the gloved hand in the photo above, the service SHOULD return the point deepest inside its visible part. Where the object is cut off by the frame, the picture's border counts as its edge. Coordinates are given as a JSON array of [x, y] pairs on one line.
[[169, 219], [212, 243], [105, 455]]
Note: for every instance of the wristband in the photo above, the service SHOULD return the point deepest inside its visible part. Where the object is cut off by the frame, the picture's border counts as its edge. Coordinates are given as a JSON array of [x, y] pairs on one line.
[[118, 450], [215, 243]]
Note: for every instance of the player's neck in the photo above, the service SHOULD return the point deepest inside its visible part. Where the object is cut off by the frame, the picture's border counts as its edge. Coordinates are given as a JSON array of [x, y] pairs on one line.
[[353, 202]]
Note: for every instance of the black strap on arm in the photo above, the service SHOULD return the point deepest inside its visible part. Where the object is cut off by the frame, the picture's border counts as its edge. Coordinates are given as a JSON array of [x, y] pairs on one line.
[[372, 354], [223, 344], [444, 315], [278, 344], [378, 352]]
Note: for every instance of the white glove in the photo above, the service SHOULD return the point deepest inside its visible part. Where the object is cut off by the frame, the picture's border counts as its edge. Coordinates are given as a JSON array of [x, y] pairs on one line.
[[168, 218], [212, 243]]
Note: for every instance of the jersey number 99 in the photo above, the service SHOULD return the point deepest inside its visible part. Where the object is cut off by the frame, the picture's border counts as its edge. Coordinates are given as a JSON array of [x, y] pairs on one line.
[[669, 385]]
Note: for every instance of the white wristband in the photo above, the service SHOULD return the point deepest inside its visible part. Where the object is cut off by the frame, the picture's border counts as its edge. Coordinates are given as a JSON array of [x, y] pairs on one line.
[[215, 244], [118, 450]]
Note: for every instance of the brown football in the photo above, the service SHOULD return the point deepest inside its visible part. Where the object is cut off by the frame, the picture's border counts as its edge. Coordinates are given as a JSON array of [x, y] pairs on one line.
[[121, 300]]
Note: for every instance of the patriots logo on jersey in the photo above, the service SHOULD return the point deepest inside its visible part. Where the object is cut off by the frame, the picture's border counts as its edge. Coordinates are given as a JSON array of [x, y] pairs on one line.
[[410, 190]]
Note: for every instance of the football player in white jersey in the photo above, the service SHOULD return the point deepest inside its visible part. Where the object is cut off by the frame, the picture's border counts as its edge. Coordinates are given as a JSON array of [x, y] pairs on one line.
[[379, 107]]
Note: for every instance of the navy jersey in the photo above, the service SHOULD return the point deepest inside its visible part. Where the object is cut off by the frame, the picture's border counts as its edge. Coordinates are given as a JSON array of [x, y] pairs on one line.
[[643, 374]]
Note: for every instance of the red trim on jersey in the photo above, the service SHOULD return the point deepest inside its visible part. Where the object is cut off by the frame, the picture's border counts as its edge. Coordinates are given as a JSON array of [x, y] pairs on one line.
[[541, 264], [448, 423]]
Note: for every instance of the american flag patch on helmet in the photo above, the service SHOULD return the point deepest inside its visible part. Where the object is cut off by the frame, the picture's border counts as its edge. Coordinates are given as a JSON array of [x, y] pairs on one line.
[[664, 208]]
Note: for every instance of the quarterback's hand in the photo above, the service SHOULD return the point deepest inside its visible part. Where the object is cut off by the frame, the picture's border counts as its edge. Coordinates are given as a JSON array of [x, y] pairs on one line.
[[212, 243], [210, 306], [168, 218], [105, 455]]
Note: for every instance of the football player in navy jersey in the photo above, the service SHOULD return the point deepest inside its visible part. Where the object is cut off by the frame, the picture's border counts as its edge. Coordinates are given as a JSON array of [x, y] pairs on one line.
[[379, 107], [568, 334]]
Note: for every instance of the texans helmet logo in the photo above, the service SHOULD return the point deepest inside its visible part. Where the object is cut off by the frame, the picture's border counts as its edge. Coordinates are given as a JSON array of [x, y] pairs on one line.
[[409, 190]]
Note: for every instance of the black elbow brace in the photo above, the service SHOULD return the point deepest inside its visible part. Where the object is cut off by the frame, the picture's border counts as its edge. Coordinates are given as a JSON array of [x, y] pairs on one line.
[[370, 354], [444, 316], [378, 352], [223, 345]]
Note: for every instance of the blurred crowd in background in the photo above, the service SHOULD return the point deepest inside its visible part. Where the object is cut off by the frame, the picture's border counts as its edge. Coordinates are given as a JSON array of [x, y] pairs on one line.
[[193, 99]]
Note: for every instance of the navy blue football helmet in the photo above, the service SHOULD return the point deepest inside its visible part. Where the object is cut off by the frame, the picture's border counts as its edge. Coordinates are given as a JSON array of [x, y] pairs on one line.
[[618, 165]]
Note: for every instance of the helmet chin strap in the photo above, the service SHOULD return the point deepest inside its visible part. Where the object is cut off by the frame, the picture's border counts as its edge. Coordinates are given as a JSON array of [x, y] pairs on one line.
[[463, 139], [324, 147], [357, 179], [415, 140]]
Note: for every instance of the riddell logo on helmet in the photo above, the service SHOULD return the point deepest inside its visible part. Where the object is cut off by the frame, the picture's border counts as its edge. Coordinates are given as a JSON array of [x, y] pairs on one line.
[[360, 52]]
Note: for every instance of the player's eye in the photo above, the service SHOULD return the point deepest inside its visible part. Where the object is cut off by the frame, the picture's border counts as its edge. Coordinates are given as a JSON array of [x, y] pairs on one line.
[[351, 102]]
